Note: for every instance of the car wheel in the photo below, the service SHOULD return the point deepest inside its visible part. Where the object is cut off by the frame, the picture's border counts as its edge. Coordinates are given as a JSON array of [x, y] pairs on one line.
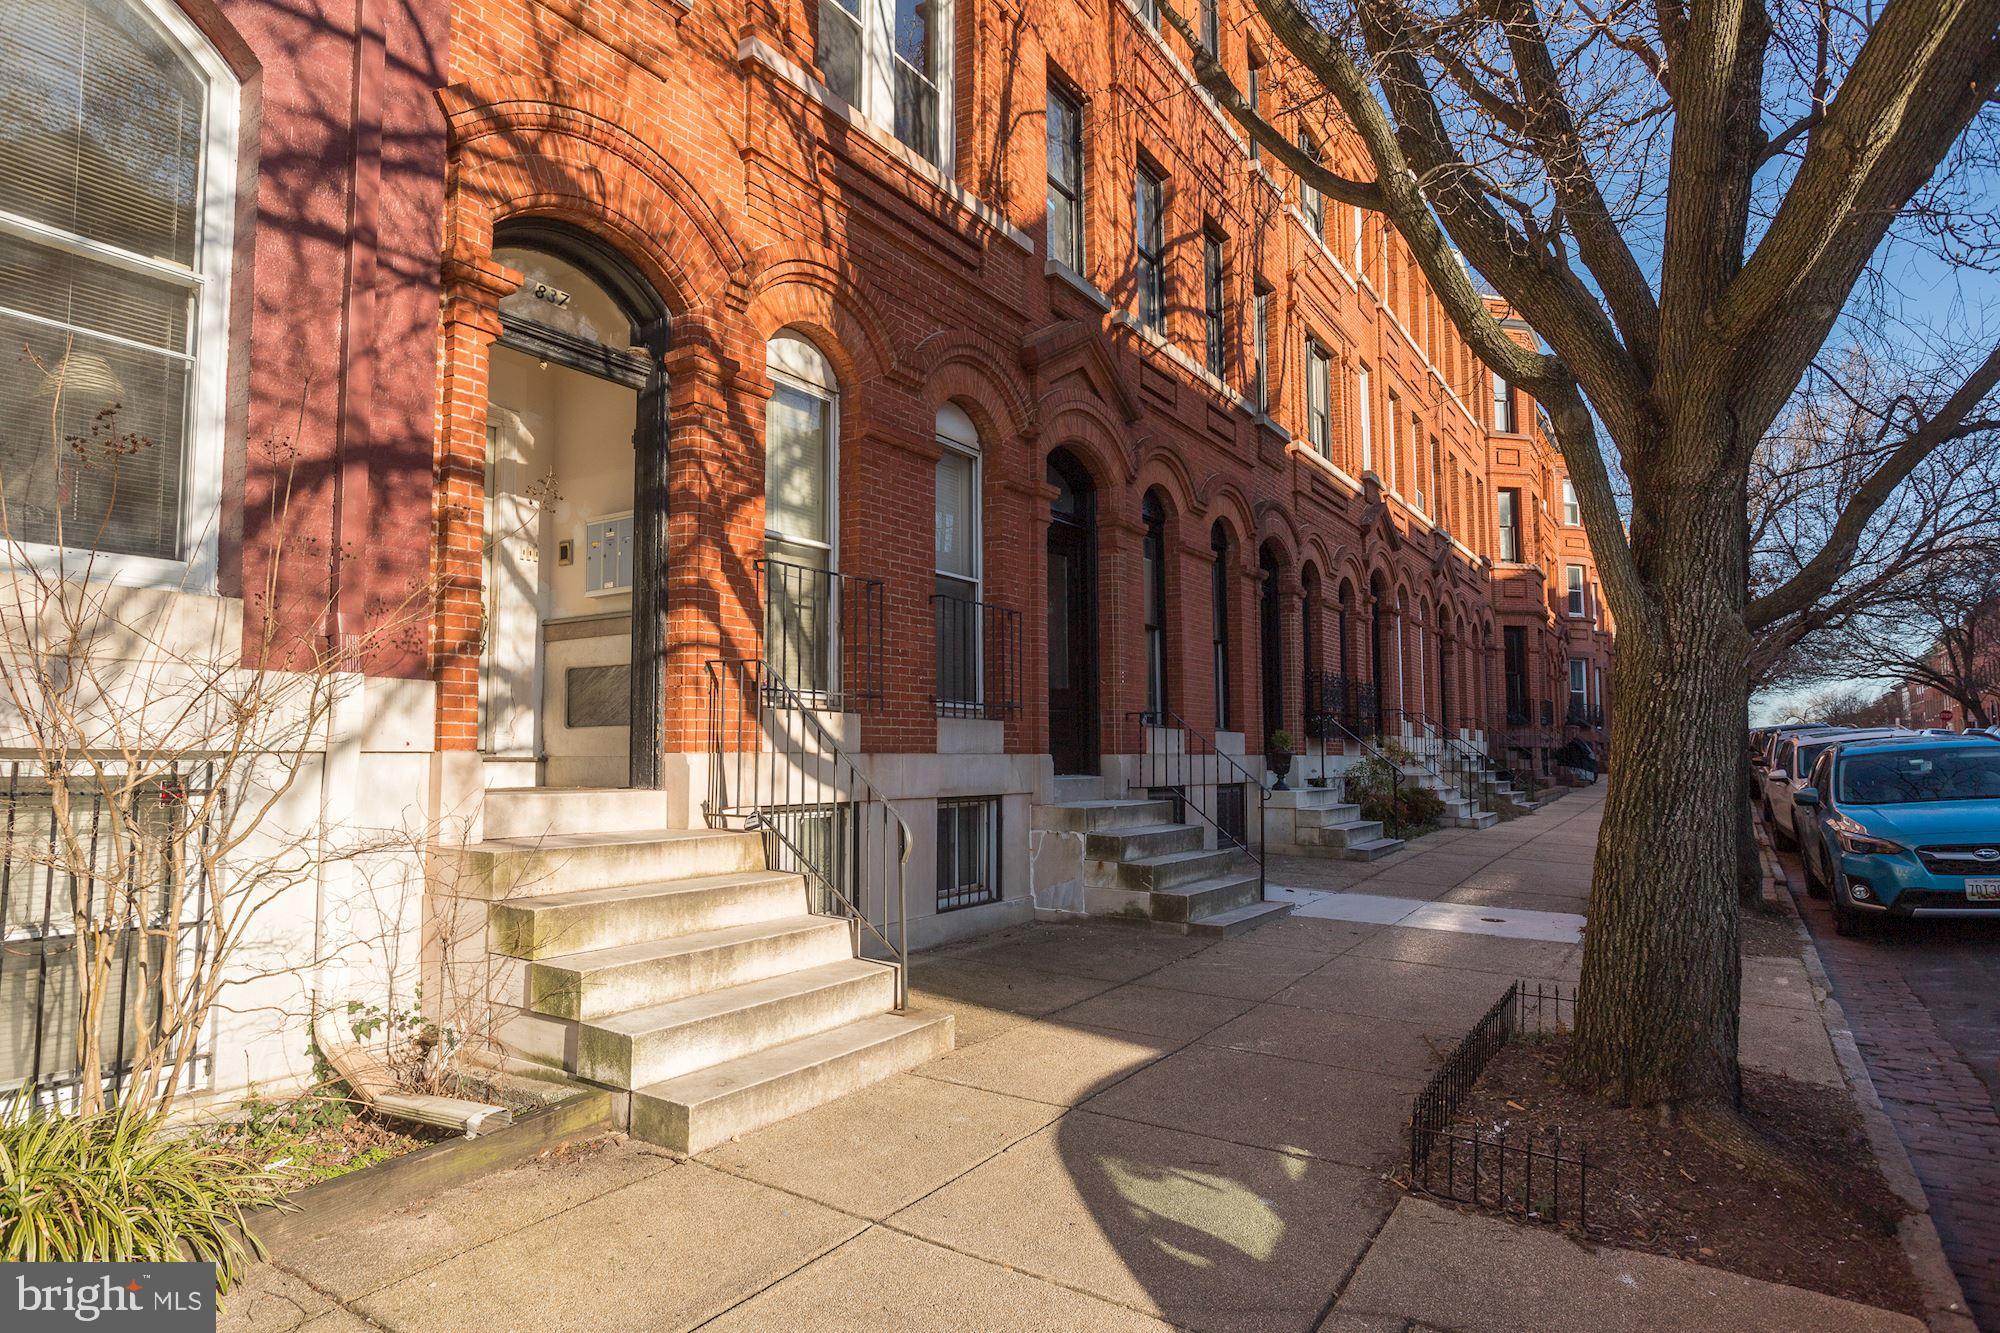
[[1815, 885], [1783, 837], [1846, 920]]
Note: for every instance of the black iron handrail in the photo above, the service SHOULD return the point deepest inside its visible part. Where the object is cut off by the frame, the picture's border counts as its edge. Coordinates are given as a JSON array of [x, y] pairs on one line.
[[1196, 772], [978, 657], [823, 634], [776, 770], [1337, 729], [1449, 762]]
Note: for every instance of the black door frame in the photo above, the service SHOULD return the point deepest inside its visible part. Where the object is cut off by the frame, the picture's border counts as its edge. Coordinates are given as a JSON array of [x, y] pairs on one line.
[[1271, 645], [1079, 534], [651, 447]]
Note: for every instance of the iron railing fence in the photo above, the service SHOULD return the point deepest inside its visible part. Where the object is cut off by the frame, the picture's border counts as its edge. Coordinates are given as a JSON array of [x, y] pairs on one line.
[[823, 634], [978, 658], [118, 860], [1177, 758], [1531, 1175], [1452, 763], [1524, 756], [775, 769]]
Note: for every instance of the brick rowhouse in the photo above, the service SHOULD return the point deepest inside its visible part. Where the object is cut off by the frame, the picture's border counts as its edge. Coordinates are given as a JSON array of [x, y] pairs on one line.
[[702, 145]]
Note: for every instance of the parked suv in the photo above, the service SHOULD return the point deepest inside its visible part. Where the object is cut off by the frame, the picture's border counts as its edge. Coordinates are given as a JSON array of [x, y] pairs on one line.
[[1790, 763], [1906, 827]]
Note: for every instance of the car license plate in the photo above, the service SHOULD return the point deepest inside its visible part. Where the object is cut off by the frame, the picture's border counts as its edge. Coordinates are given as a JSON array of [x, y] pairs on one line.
[[1983, 890]]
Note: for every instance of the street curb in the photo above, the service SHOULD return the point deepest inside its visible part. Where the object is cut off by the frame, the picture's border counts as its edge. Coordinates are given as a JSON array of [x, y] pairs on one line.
[[1945, 1309]]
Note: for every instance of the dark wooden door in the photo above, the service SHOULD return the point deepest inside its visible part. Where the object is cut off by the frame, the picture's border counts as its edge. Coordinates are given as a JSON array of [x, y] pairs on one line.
[[1072, 648]]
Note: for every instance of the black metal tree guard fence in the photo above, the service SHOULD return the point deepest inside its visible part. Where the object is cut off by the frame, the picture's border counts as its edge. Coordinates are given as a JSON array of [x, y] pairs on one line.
[[1528, 1175]]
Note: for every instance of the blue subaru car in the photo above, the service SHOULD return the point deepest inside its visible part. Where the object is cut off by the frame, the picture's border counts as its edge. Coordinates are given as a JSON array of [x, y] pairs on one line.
[[1903, 827]]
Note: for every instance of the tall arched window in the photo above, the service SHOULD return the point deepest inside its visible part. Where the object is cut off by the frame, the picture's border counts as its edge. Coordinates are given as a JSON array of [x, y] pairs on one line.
[[1154, 558], [1218, 600], [801, 515], [960, 628], [117, 175]]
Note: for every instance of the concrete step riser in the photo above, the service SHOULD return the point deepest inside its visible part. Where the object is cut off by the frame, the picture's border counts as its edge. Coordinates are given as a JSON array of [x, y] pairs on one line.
[[521, 930], [1344, 835], [1145, 877], [1132, 846], [539, 812], [632, 1061], [1331, 816], [1374, 852], [1102, 818], [565, 992], [692, 1127], [1172, 908], [528, 871], [1241, 920]]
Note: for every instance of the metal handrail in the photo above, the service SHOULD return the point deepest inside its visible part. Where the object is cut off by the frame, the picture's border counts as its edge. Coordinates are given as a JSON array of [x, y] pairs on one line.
[[1456, 765], [1157, 762], [1348, 734], [777, 769]]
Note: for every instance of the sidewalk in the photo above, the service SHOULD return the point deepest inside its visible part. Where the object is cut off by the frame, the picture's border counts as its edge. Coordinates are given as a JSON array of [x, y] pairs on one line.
[[1136, 1131]]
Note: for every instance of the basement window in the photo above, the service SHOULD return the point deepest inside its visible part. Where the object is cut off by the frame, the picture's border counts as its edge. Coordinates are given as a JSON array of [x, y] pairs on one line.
[[968, 852]]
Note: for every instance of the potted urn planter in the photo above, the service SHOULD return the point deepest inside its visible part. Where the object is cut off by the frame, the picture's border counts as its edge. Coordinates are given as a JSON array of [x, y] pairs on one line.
[[1278, 755]]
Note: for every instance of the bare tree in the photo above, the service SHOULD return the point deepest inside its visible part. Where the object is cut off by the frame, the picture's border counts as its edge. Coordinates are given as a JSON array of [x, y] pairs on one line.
[[1943, 633], [1848, 705], [1683, 201]]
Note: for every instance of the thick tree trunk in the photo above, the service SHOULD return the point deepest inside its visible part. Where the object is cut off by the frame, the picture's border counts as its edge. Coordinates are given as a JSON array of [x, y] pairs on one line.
[[1749, 865], [1657, 1012]]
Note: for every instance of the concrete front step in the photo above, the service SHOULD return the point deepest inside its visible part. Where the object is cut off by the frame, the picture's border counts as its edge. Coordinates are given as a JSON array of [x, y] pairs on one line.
[[696, 1111], [1141, 841], [1239, 919], [584, 920], [1157, 873], [1342, 835], [654, 971], [665, 1041], [1179, 905], [1100, 816], [517, 813], [1476, 819], [1371, 849], [515, 868]]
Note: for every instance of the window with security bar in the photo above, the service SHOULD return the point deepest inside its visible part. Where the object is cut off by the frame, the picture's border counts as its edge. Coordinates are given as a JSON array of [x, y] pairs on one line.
[[968, 853]]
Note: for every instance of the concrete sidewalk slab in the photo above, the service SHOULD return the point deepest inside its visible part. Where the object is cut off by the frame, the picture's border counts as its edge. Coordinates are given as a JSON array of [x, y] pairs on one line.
[[1503, 957], [1779, 1039], [1344, 1041], [357, 1260], [1407, 992], [1198, 1231], [896, 1142], [1240, 969], [888, 1282], [1058, 1063], [1342, 1115], [986, 1000], [1154, 1011], [667, 1252], [1124, 957], [1469, 1272]]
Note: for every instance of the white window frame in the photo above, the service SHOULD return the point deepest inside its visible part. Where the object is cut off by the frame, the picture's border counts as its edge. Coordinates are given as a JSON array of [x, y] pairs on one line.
[[1579, 683], [877, 77], [975, 536], [207, 425], [1319, 386], [1576, 591], [828, 394], [1572, 512], [1389, 469], [1260, 305]]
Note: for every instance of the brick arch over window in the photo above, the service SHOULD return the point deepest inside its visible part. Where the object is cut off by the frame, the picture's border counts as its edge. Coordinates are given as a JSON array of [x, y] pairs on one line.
[[802, 287]]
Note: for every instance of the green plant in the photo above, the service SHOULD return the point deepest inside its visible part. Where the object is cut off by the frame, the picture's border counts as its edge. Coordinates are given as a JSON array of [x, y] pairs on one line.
[[1403, 808], [1281, 742], [119, 1187]]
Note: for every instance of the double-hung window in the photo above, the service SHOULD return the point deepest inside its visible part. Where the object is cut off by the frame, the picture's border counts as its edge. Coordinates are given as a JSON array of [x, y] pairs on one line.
[[891, 60], [1065, 128], [1364, 407], [1506, 419], [1319, 395], [1253, 91], [1437, 472], [117, 170], [801, 591], [1311, 202], [1149, 245], [1579, 690], [960, 615], [1389, 461], [1572, 515], [1510, 524], [1261, 340], [1212, 302], [1211, 28], [1579, 595]]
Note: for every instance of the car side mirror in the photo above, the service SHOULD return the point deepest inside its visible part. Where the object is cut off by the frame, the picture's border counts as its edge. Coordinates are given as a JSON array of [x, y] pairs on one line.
[[1807, 797], [1777, 775]]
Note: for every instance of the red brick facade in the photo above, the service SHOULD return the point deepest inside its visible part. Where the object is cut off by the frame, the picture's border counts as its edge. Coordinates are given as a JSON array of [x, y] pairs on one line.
[[698, 142]]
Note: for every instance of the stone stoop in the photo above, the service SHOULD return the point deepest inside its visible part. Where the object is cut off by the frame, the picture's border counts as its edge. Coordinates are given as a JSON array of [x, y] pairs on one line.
[[1459, 812], [674, 965], [1141, 867], [1322, 822]]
